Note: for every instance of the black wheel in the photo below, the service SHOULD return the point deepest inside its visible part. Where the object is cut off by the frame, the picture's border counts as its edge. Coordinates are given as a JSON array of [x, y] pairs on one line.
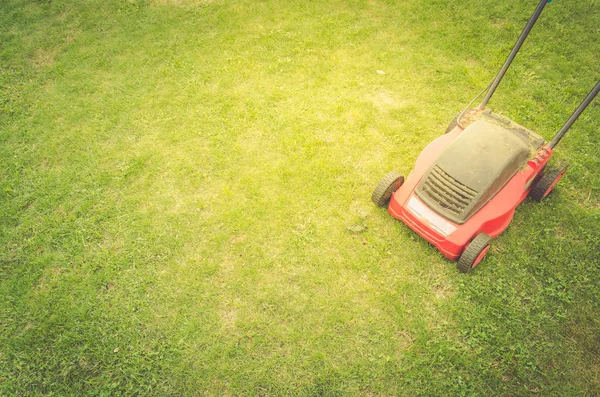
[[474, 253], [452, 124], [546, 184], [384, 190], [454, 121]]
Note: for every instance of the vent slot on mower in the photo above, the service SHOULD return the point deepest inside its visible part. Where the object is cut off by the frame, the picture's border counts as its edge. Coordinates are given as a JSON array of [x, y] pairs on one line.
[[447, 191]]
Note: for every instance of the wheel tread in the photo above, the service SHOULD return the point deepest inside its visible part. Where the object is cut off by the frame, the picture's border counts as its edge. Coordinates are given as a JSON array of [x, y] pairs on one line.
[[385, 188], [468, 257], [538, 193]]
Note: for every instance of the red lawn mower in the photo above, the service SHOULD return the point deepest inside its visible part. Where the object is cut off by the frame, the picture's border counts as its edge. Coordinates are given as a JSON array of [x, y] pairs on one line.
[[466, 184]]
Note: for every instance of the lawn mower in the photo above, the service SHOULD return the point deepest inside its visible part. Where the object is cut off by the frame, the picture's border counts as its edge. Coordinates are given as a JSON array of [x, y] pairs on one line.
[[466, 184]]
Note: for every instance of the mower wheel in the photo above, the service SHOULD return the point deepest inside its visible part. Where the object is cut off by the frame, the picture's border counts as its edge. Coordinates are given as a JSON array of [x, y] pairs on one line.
[[454, 121], [474, 253], [546, 184], [384, 190], [452, 124]]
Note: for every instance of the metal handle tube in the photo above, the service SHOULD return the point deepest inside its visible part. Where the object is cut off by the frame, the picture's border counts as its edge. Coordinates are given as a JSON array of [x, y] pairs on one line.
[[514, 52], [588, 99]]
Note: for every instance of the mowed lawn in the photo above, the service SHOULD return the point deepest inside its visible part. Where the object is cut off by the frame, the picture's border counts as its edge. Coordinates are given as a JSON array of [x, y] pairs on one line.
[[185, 200]]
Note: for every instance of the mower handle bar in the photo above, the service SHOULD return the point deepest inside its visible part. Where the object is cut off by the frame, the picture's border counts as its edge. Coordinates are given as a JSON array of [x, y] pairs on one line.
[[511, 57], [588, 99], [513, 52]]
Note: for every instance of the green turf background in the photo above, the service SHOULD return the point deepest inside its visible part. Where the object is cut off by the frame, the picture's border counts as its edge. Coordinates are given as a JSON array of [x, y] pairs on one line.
[[184, 200]]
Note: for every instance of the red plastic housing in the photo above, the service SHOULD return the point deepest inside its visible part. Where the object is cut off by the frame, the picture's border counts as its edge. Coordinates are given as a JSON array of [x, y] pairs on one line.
[[493, 218]]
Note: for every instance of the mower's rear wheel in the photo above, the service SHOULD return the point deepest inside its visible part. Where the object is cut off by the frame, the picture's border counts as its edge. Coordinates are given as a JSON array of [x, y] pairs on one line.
[[452, 124], [384, 190], [547, 182], [474, 253]]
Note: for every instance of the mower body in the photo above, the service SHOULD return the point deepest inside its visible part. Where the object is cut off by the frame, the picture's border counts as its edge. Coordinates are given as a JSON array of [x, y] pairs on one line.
[[470, 181]]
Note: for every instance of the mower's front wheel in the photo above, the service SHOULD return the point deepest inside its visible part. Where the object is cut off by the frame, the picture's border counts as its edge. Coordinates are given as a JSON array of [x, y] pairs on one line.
[[474, 253], [547, 182], [384, 190]]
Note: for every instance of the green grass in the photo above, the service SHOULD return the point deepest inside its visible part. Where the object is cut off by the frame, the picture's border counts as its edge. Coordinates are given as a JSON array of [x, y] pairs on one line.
[[185, 203]]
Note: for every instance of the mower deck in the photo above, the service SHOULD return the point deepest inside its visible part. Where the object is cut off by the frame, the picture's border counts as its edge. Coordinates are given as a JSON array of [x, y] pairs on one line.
[[469, 182]]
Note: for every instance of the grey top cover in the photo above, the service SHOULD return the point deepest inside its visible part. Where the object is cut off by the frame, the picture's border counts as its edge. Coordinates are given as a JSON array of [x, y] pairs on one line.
[[476, 165]]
